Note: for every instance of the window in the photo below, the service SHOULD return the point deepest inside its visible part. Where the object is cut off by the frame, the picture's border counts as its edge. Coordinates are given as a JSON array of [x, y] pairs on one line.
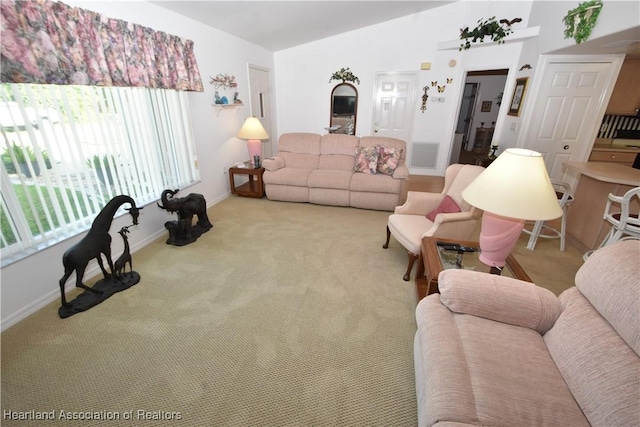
[[68, 150]]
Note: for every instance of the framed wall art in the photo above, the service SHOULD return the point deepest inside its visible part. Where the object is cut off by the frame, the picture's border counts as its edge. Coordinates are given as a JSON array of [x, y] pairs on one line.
[[518, 96], [486, 106]]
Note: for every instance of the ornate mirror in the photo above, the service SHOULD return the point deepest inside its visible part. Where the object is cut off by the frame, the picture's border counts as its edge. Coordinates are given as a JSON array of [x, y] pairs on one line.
[[344, 109]]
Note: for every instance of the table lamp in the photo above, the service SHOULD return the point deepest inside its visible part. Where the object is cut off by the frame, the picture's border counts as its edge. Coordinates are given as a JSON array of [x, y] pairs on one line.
[[514, 188], [253, 131]]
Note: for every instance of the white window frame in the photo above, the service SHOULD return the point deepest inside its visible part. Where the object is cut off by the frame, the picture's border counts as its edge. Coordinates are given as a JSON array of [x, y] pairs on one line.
[[143, 137]]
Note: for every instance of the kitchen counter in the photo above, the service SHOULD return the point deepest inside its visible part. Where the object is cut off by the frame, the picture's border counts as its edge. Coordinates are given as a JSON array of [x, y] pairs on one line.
[[621, 149], [607, 172], [585, 226]]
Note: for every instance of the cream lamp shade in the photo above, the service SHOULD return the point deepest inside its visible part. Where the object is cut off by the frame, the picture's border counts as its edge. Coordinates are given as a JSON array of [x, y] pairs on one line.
[[514, 188], [516, 185], [253, 131]]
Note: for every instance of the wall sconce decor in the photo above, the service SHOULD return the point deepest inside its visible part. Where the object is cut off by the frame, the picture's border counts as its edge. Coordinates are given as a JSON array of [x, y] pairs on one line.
[[518, 96], [424, 99]]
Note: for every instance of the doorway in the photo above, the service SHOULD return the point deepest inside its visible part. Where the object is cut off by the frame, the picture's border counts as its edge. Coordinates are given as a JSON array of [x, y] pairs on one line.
[[393, 104], [260, 103], [479, 107]]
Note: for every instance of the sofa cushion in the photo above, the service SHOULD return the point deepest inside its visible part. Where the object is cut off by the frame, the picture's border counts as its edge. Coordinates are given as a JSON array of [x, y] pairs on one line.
[[288, 176], [334, 143], [337, 152], [377, 183], [499, 298], [610, 280], [304, 143], [325, 178], [447, 205], [299, 160], [366, 160]]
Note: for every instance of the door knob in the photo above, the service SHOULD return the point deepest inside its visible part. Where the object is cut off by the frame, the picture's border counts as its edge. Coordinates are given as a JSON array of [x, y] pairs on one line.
[[566, 147], [375, 127]]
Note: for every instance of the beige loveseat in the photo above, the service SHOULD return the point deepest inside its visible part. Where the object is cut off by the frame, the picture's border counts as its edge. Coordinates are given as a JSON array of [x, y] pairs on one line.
[[319, 169], [491, 350]]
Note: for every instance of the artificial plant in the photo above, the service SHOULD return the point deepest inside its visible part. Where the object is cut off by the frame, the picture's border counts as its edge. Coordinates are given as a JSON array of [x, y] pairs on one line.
[[345, 75], [496, 30], [580, 21]]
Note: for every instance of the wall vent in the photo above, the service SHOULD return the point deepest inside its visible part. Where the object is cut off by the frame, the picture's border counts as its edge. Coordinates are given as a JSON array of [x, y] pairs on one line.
[[424, 154]]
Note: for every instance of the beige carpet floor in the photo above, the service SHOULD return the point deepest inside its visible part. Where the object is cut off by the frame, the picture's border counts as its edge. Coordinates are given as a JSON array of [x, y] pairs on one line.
[[282, 314]]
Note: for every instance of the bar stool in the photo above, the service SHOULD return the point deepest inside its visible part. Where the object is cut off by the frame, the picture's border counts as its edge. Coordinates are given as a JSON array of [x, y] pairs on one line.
[[624, 225], [563, 191], [622, 222]]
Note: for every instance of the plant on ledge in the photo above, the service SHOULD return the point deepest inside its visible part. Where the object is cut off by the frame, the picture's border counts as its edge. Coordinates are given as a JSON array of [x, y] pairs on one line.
[[580, 21], [345, 75], [496, 30]]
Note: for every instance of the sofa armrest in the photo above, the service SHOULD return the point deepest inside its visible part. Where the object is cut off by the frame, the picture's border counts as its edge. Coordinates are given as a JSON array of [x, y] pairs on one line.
[[273, 164], [419, 203], [401, 172], [499, 298]]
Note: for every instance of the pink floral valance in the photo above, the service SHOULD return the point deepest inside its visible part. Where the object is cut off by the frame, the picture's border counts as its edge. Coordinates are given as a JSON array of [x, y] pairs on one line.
[[51, 42]]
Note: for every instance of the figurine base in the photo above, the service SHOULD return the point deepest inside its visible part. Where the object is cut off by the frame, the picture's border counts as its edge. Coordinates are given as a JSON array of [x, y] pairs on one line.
[[177, 235], [88, 299]]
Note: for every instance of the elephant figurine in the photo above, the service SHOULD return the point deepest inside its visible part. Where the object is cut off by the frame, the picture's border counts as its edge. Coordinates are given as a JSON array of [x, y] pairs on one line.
[[183, 232]]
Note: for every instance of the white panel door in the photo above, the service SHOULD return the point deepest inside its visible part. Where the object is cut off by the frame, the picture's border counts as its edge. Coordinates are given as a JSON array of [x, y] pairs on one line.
[[260, 103], [567, 105], [394, 105]]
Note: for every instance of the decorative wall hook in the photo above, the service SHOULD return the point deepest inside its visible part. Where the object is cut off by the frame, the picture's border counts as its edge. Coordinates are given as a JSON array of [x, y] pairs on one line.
[[525, 67]]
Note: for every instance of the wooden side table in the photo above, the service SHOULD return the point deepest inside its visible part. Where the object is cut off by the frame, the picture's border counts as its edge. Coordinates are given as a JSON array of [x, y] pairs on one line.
[[254, 187], [435, 259]]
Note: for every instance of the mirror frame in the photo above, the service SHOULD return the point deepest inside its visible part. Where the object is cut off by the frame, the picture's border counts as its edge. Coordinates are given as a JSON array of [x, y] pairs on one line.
[[355, 112]]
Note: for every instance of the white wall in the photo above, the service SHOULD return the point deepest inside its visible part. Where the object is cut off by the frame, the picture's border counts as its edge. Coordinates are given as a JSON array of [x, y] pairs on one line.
[[33, 282], [303, 72]]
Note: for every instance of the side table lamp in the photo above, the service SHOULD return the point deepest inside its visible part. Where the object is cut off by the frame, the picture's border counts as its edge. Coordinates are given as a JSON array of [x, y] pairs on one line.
[[514, 188], [253, 131]]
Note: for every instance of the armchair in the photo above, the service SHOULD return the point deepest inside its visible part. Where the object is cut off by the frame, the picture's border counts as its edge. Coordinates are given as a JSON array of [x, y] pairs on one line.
[[409, 223]]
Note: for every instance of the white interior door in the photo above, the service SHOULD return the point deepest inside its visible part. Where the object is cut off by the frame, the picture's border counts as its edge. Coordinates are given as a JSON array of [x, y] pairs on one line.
[[394, 105], [569, 102], [260, 103]]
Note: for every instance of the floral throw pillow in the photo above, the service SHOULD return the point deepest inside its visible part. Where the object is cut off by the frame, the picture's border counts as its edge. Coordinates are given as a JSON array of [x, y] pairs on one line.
[[366, 160], [388, 159]]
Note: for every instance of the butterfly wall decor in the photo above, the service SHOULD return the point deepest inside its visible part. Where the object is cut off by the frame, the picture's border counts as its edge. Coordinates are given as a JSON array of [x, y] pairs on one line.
[[434, 83], [441, 88], [449, 80]]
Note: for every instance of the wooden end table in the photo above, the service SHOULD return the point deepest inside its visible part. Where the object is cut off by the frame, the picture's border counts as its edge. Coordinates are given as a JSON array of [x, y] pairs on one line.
[[436, 259], [254, 187]]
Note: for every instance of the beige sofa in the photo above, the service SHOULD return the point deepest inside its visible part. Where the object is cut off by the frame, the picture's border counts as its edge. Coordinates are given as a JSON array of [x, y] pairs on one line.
[[319, 169], [491, 350]]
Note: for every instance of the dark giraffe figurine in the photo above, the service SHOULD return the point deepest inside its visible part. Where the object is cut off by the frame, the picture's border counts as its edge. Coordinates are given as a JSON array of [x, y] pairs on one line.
[[121, 262], [97, 242]]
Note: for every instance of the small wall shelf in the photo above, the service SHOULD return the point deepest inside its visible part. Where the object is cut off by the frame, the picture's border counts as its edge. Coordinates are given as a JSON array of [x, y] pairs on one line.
[[517, 35], [220, 107]]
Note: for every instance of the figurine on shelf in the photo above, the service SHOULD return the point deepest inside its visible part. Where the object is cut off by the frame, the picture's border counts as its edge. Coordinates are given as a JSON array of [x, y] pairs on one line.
[[235, 98], [224, 100], [217, 98]]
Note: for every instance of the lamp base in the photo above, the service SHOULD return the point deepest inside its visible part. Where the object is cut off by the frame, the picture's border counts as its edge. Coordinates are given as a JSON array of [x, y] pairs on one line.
[[255, 148], [498, 236]]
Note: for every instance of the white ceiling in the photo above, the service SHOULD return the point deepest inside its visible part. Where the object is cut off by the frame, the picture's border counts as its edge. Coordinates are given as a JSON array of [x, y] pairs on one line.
[[277, 25]]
